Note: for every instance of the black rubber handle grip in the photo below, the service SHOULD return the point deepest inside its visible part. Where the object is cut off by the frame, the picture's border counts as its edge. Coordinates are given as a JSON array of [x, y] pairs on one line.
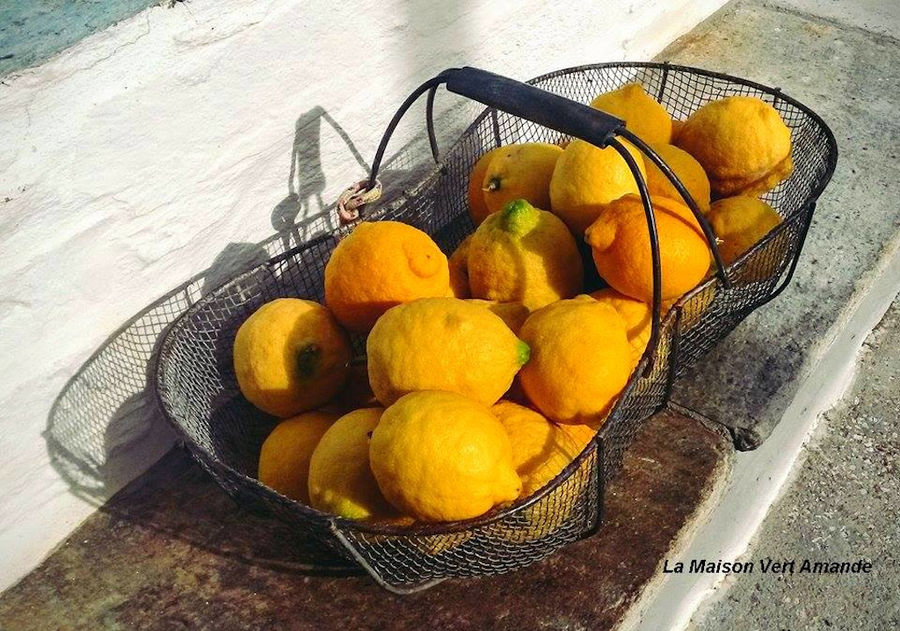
[[534, 104]]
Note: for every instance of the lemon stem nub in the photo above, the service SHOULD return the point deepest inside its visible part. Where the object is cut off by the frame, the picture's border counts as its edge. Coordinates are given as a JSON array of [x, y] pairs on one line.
[[519, 217], [308, 360], [493, 185], [523, 352]]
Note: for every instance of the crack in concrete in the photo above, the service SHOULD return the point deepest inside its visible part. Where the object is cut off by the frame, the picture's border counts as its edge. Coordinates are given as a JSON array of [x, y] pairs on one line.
[[812, 17]]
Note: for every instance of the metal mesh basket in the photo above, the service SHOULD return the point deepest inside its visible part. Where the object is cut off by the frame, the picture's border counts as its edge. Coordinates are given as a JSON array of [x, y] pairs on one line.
[[199, 395]]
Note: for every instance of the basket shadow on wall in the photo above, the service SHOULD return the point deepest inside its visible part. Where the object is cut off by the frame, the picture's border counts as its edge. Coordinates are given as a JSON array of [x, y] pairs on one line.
[[105, 424]]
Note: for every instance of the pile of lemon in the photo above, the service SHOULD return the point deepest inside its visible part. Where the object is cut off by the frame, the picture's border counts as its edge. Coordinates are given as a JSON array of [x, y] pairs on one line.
[[487, 373]]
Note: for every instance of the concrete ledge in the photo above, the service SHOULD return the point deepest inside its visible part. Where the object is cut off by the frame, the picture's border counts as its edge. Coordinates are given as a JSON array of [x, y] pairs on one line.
[[171, 549]]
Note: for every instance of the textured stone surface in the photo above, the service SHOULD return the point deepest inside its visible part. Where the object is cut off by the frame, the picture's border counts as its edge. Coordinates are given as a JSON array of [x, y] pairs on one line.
[[172, 551], [842, 505], [851, 77], [181, 138], [877, 16]]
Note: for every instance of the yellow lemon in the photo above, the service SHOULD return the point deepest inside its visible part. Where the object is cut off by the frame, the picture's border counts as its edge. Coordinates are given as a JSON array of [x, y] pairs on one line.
[[620, 244], [525, 255], [742, 222], [586, 178], [290, 356], [637, 315], [582, 435], [520, 171], [443, 344], [340, 480], [513, 314], [676, 129], [439, 456], [381, 264], [285, 454], [686, 168], [641, 112], [459, 269], [478, 210], [580, 359], [742, 143], [540, 449]]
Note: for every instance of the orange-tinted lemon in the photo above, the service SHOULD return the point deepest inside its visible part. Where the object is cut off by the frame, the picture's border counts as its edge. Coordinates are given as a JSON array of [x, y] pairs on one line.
[[340, 479], [478, 210], [580, 359], [586, 178], [742, 143], [381, 264], [285, 454], [520, 171], [620, 244], [525, 255], [686, 168], [637, 315], [439, 456], [540, 449], [459, 269], [641, 112]]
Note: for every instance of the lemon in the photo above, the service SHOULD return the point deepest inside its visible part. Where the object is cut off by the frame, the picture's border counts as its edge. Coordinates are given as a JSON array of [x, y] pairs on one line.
[[540, 449], [478, 210], [641, 112], [520, 171], [513, 314], [290, 356], [381, 264], [439, 456], [740, 223], [586, 178], [686, 168], [443, 344], [742, 143], [580, 359], [620, 244], [638, 317], [581, 435], [459, 269], [340, 480], [285, 454], [525, 255]]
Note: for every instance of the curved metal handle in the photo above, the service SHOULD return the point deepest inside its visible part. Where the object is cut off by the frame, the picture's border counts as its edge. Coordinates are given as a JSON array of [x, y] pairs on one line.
[[531, 103], [511, 96]]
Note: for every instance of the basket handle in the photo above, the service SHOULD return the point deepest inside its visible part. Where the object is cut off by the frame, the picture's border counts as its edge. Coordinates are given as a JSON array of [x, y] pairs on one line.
[[570, 118]]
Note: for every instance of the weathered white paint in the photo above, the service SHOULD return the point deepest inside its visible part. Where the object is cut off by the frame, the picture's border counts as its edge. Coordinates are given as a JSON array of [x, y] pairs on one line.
[[130, 160]]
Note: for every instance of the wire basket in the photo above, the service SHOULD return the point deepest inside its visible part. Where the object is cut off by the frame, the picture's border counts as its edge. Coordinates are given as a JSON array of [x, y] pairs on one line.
[[199, 395]]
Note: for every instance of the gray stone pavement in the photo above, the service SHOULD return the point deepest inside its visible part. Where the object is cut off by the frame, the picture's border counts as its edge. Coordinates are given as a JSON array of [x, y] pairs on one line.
[[826, 55], [842, 506]]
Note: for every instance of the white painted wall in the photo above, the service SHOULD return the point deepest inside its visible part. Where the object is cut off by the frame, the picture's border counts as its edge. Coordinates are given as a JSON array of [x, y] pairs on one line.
[[129, 161]]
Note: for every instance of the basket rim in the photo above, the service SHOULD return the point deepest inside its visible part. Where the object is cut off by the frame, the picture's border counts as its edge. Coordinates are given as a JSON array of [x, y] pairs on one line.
[[446, 528]]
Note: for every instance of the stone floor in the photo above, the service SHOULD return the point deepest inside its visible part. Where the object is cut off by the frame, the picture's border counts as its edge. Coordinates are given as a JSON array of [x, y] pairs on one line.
[[842, 505], [172, 551]]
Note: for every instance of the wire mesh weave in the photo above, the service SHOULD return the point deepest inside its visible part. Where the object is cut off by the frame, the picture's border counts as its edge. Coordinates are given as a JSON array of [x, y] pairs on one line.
[[198, 392]]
